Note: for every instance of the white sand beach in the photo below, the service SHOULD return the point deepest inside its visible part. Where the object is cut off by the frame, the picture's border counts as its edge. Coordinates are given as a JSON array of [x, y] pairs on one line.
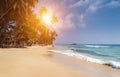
[[37, 61], [32, 62]]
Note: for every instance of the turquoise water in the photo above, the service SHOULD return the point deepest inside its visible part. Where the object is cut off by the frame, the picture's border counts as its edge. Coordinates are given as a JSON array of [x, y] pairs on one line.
[[107, 54]]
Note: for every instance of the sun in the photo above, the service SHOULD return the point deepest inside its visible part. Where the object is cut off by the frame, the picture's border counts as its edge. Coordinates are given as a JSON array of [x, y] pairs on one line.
[[47, 18]]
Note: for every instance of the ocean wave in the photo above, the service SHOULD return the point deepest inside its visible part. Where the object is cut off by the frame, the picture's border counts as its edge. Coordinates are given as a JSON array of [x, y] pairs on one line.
[[96, 46], [113, 64], [91, 52]]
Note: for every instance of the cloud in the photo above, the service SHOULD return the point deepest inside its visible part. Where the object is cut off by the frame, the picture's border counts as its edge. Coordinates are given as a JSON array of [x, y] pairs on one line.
[[68, 21], [74, 21], [94, 6], [82, 22], [80, 3], [72, 13], [89, 6], [99, 4], [114, 3]]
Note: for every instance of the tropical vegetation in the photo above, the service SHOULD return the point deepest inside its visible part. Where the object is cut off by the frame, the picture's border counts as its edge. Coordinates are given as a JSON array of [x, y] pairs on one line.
[[20, 27]]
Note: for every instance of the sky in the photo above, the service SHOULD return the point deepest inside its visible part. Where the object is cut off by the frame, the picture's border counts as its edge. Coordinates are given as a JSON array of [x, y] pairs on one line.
[[85, 21]]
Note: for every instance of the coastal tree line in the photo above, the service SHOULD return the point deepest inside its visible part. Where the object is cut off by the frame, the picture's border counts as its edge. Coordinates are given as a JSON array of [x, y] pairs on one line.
[[20, 27]]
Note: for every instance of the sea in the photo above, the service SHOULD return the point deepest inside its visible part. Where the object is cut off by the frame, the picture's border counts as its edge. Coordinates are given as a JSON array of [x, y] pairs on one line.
[[105, 54]]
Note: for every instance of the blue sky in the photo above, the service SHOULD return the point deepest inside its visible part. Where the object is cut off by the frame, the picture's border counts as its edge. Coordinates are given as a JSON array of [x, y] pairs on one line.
[[86, 21]]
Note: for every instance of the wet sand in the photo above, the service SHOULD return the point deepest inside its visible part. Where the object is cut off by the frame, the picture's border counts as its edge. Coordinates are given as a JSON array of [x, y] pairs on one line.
[[91, 69]]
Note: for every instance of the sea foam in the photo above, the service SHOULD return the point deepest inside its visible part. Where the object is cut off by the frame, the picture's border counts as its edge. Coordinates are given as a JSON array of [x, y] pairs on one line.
[[113, 64], [95, 46]]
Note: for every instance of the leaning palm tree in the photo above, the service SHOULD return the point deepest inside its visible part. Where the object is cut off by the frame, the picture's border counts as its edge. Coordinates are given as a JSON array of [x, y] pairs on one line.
[[19, 26], [13, 16]]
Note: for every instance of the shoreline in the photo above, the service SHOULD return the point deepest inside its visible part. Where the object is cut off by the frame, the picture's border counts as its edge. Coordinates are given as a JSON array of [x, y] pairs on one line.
[[37, 61], [111, 63], [90, 68]]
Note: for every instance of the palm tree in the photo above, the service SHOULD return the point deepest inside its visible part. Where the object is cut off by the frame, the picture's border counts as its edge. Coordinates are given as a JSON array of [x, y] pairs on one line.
[[19, 26], [16, 11]]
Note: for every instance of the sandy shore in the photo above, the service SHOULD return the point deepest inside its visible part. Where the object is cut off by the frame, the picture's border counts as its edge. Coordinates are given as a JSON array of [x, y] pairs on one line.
[[39, 62], [89, 68], [33, 62]]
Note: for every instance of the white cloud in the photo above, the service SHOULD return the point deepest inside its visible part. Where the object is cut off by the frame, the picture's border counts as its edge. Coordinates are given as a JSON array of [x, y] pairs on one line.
[[113, 3], [71, 19], [80, 3], [68, 21], [94, 6], [99, 4], [65, 23], [82, 22]]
